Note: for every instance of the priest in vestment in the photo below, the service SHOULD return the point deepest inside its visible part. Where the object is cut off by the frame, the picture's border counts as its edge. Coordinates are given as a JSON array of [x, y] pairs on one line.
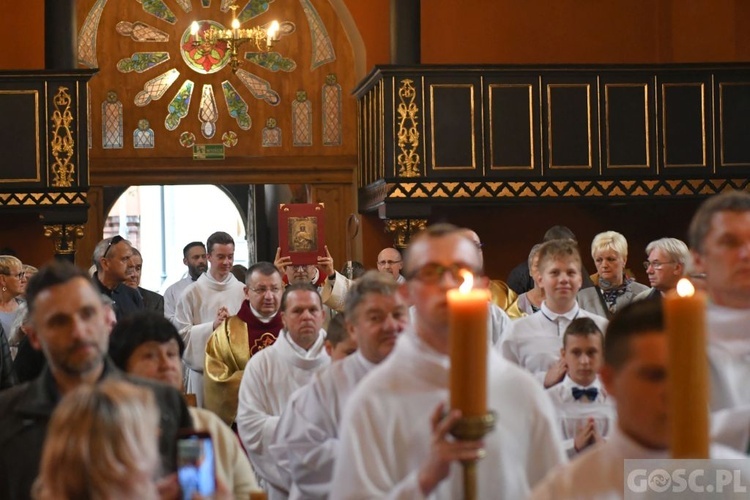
[[240, 337]]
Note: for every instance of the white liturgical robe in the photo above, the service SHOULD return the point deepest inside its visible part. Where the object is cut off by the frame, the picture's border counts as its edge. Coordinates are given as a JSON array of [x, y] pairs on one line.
[[194, 318], [599, 472], [386, 431], [307, 436], [270, 378], [173, 294], [536, 340], [573, 413]]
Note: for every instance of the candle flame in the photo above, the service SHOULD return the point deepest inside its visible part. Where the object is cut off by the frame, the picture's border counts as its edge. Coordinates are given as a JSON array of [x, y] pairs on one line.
[[685, 288], [235, 23], [468, 283], [194, 28]]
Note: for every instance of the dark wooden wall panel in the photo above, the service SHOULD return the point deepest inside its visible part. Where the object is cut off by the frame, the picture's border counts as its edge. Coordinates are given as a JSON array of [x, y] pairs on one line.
[[513, 124], [453, 127], [686, 132], [571, 119], [20, 143], [626, 142], [734, 125]]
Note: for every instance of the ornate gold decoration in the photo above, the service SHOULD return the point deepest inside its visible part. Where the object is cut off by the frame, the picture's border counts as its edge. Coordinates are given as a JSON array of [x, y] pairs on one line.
[[64, 237], [408, 133], [41, 199], [62, 143], [404, 229], [472, 429]]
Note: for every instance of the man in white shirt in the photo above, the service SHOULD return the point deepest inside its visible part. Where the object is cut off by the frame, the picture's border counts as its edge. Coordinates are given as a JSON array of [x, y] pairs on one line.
[[719, 239], [204, 305], [536, 340], [584, 408], [194, 257], [272, 375], [635, 375], [307, 434], [395, 439]]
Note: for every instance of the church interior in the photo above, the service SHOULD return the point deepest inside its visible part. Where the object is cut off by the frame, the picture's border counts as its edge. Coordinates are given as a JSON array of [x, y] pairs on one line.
[[506, 117]]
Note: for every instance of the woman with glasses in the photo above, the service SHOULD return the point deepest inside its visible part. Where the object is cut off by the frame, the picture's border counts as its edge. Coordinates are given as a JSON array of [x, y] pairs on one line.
[[12, 287], [613, 288]]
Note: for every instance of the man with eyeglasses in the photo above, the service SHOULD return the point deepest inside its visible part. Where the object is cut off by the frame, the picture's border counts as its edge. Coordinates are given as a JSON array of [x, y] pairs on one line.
[[395, 439], [665, 266], [240, 337], [113, 259], [390, 262]]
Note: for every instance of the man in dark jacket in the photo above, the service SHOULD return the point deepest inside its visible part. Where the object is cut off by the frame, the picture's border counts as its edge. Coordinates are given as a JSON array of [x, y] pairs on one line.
[[113, 258], [68, 323]]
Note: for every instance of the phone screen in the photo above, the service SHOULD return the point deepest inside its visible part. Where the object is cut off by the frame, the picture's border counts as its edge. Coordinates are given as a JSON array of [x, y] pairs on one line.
[[196, 470]]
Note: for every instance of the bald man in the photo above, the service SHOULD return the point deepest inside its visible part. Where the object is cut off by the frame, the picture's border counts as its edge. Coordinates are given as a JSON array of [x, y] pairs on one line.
[[389, 261]]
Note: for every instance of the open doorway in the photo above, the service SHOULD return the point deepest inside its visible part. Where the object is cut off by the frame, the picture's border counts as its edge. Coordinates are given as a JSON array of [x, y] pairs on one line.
[[161, 220]]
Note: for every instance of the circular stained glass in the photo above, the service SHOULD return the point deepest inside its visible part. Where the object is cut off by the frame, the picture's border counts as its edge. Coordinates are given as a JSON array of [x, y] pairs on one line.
[[204, 57]]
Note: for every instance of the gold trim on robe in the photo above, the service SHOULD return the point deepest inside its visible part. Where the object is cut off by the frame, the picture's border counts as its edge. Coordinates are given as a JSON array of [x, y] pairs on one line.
[[227, 353]]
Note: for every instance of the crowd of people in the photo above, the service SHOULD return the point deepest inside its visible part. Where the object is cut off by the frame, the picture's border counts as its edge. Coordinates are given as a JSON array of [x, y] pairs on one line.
[[314, 383]]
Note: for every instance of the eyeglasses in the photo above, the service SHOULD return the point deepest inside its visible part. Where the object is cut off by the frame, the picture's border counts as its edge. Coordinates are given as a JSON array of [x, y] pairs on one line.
[[262, 290], [388, 262], [114, 241], [20, 275], [655, 264], [433, 273]]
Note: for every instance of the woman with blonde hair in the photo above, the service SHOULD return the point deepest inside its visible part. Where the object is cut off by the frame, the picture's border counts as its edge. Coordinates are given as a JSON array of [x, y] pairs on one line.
[[613, 288], [102, 444], [12, 288]]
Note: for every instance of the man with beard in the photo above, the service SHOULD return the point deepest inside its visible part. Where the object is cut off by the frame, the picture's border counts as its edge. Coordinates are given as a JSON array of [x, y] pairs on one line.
[[68, 323], [272, 375], [204, 305], [240, 337], [194, 257]]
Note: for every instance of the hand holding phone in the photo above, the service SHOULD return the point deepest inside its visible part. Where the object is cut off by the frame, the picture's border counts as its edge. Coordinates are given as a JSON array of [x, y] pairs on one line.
[[196, 465]]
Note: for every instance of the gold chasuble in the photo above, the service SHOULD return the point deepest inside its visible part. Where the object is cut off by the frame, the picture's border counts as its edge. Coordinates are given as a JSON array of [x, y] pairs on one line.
[[229, 349], [505, 298]]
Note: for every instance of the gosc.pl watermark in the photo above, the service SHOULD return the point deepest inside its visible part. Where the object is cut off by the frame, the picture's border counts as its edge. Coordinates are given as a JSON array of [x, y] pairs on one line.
[[704, 479]]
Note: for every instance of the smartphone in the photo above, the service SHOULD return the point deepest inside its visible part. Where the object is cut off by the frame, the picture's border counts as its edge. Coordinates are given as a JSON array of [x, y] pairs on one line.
[[196, 465]]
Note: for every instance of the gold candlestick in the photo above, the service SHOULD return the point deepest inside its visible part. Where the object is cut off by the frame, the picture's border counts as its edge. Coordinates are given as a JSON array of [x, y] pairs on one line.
[[472, 429]]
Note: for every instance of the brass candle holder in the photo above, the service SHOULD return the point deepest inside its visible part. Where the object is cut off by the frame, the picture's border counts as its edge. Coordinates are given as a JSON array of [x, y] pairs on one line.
[[472, 429]]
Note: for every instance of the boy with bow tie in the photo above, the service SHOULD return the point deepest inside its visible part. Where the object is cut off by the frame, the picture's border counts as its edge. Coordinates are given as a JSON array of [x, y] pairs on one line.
[[584, 410]]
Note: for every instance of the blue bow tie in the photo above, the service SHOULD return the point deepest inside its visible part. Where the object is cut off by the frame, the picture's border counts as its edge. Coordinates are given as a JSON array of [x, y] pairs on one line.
[[591, 393]]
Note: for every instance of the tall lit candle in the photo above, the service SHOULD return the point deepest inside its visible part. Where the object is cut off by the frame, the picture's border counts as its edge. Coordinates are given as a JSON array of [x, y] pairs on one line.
[[468, 348], [685, 321], [235, 26]]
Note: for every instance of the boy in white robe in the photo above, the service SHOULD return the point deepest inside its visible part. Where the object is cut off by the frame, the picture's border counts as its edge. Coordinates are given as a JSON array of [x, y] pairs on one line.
[[215, 296], [536, 340], [635, 375], [584, 408], [272, 375], [307, 435], [395, 439]]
